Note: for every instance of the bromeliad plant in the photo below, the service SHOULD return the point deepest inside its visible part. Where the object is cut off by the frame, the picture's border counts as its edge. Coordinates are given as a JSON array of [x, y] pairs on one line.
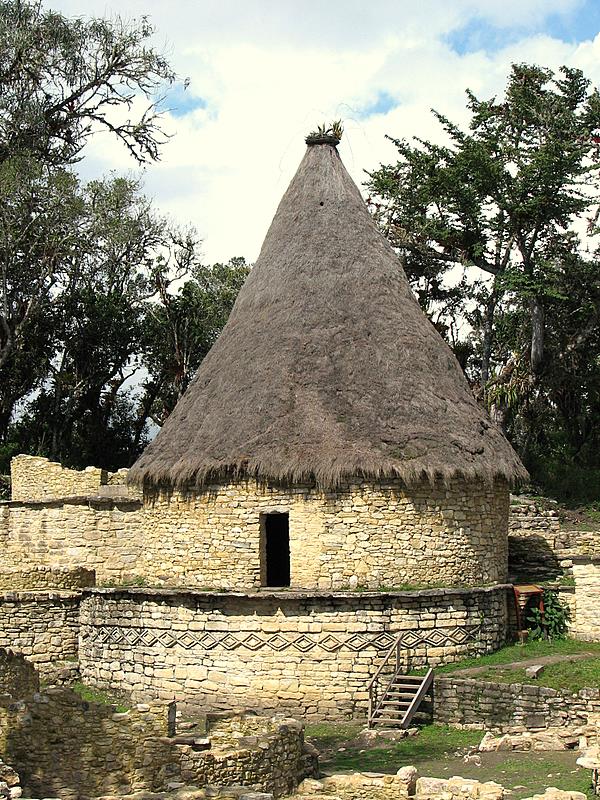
[[334, 130]]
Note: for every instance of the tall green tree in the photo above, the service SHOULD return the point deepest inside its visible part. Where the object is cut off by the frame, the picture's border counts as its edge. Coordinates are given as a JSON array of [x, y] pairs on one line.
[[505, 214], [129, 255], [61, 81], [179, 329], [501, 198]]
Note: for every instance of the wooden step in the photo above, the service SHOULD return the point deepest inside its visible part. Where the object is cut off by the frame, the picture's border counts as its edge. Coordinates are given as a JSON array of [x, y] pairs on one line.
[[402, 700]]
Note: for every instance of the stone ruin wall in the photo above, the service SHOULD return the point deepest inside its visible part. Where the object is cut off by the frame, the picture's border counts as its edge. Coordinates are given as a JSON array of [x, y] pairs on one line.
[[473, 703], [363, 535], [42, 626], [313, 655], [18, 677], [63, 746], [586, 622], [36, 479], [539, 549]]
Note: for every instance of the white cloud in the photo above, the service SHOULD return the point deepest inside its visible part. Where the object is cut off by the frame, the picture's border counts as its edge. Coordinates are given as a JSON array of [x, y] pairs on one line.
[[270, 70]]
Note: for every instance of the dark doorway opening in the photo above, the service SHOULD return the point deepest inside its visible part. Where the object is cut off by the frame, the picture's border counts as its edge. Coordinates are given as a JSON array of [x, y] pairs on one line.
[[276, 528]]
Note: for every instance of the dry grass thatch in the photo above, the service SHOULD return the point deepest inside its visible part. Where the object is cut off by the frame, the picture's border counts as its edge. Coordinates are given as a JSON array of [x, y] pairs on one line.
[[327, 367]]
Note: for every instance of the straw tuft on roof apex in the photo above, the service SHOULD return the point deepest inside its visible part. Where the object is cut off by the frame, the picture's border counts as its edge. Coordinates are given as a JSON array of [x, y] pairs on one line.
[[327, 368]]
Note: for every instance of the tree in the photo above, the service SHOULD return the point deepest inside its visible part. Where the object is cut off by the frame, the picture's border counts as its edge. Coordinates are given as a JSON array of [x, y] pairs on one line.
[[499, 199], [179, 330], [64, 79], [128, 255], [509, 207], [61, 81]]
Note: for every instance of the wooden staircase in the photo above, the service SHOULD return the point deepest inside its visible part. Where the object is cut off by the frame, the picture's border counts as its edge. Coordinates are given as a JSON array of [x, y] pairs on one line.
[[393, 702]]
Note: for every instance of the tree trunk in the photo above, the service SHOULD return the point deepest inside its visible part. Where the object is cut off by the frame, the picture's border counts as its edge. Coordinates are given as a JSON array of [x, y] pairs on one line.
[[488, 337], [537, 335]]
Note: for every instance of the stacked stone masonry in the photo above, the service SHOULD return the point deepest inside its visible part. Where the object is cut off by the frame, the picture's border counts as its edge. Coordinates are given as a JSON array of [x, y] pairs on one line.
[[18, 677], [586, 571], [539, 549], [42, 626], [36, 578], [65, 747], [310, 654], [503, 707], [10, 783], [401, 786], [368, 535]]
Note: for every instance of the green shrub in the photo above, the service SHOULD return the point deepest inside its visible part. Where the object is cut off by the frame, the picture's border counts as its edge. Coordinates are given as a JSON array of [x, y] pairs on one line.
[[553, 624]]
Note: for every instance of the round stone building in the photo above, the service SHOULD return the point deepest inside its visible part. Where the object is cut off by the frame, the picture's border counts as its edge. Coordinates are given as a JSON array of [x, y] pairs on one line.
[[329, 440]]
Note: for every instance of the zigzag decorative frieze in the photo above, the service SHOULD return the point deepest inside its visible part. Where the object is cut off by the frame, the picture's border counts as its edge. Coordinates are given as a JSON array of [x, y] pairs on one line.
[[303, 643]]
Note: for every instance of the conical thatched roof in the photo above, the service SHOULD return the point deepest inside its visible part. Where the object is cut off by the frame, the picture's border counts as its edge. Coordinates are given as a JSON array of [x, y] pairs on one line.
[[327, 367]]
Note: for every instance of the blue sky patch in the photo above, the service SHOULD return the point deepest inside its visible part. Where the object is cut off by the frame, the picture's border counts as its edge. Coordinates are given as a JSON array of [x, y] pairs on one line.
[[180, 101], [383, 103], [578, 25]]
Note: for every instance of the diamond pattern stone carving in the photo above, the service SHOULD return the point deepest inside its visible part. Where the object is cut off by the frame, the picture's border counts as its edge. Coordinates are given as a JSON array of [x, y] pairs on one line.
[[303, 643], [278, 642], [330, 643]]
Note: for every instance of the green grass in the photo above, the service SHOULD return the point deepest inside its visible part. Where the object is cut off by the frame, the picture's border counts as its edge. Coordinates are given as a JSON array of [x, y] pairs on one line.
[[516, 652], [92, 695], [438, 752], [570, 675], [433, 741]]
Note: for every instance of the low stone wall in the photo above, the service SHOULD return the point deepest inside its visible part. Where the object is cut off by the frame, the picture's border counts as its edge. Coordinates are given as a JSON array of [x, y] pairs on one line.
[[586, 571], [35, 478], [43, 626], [402, 785], [63, 746], [35, 578], [266, 755], [18, 677], [313, 654], [502, 707]]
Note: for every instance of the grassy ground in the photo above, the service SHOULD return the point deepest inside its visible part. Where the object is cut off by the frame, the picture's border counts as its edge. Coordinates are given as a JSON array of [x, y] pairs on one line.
[[569, 675], [531, 650], [440, 752], [96, 696]]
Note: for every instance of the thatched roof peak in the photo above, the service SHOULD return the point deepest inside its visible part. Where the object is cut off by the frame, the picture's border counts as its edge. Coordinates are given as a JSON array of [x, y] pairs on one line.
[[327, 368]]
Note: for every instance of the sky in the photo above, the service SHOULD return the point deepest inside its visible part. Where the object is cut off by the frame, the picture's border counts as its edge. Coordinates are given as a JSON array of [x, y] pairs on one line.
[[262, 73]]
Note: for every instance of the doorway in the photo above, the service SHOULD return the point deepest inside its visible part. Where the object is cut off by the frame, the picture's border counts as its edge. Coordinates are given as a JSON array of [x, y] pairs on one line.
[[276, 549]]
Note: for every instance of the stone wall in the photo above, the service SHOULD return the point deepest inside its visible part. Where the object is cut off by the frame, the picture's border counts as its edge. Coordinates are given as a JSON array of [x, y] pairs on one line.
[[586, 625], [63, 746], [43, 626], [362, 535], [35, 577], [501, 707], [266, 755], [18, 677], [10, 784], [313, 654], [401, 786], [104, 536], [34, 478], [539, 549]]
